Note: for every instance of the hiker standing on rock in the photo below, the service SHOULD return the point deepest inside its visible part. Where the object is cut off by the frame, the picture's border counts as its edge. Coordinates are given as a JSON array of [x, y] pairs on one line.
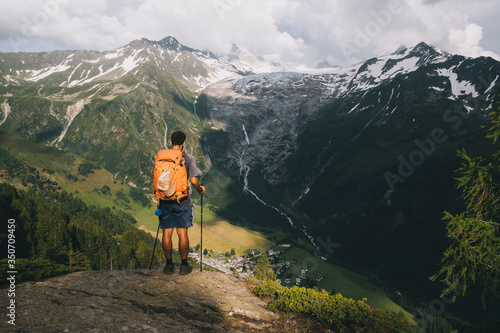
[[172, 170]]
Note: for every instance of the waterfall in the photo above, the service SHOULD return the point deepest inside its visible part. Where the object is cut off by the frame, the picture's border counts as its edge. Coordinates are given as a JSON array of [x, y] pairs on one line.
[[165, 135], [245, 170], [194, 106]]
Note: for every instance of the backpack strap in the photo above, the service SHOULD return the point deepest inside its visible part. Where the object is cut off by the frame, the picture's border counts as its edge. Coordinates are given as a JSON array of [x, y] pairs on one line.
[[173, 169], [176, 195], [178, 163]]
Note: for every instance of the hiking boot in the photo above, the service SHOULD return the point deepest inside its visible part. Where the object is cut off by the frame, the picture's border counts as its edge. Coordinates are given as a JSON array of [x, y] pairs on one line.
[[185, 269], [169, 269]]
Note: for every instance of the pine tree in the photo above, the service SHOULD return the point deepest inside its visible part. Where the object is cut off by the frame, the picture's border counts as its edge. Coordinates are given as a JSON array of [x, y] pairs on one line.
[[473, 257], [264, 270], [77, 261]]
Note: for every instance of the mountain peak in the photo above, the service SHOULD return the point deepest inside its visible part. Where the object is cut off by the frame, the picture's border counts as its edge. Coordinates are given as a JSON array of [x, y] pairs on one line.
[[246, 62], [400, 50], [170, 42], [234, 53], [325, 64], [425, 49]]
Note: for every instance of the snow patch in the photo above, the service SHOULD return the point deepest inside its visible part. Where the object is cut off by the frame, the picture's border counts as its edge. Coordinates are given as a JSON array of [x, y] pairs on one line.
[[403, 66], [130, 63], [176, 57], [116, 54], [492, 85], [165, 134], [73, 72], [458, 88], [119, 69], [6, 111], [36, 75], [71, 112], [247, 140], [354, 108], [437, 89]]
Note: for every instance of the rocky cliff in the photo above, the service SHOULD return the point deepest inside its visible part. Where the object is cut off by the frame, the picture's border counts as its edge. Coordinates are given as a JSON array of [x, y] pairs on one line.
[[138, 300]]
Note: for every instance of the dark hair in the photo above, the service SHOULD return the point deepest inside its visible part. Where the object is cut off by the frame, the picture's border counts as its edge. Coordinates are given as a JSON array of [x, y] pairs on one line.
[[178, 138]]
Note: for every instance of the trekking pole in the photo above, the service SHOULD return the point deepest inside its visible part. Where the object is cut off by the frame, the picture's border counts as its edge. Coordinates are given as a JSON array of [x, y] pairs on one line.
[[201, 235], [157, 213]]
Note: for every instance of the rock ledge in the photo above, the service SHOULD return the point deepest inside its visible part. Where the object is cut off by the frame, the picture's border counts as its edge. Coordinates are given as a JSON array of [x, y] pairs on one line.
[[139, 300]]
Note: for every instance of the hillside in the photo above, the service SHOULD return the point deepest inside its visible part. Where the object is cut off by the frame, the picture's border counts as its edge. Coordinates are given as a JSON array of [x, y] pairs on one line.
[[30, 165]]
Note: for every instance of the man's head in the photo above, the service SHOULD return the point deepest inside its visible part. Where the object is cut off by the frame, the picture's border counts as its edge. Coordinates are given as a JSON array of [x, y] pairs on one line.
[[177, 138]]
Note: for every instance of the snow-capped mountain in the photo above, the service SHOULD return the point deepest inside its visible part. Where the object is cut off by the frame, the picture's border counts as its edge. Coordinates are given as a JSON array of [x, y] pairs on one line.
[[193, 67], [248, 63], [275, 108], [327, 152]]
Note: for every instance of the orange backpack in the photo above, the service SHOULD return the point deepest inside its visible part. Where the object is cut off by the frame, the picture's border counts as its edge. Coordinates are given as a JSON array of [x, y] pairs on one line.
[[170, 181]]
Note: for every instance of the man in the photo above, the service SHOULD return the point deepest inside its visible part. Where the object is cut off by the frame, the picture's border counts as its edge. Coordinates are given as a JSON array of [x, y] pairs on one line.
[[179, 215]]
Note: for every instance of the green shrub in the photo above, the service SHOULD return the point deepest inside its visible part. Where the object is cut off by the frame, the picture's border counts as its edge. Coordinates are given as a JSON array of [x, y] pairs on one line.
[[335, 312], [138, 196], [106, 190], [32, 270], [85, 169], [264, 270], [268, 288]]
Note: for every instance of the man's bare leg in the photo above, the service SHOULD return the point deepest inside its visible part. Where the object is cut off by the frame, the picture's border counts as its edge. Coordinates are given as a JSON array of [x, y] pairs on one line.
[[184, 250], [183, 242], [167, 250]]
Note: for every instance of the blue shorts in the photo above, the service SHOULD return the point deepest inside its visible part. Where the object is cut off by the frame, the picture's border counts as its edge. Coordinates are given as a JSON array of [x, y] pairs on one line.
[[175, 215]]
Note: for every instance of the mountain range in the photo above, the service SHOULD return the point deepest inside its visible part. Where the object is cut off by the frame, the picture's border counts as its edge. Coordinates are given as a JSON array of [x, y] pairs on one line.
[[356, 163]]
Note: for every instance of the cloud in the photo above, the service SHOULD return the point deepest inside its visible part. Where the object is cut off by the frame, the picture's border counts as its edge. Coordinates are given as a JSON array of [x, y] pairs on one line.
[[289, 31]]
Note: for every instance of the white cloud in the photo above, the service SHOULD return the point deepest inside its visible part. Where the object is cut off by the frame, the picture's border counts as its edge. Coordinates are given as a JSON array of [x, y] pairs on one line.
[[300, 32]]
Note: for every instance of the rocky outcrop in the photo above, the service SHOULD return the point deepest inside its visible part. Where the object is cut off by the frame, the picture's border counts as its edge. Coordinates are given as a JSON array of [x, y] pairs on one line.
[[138, 301]]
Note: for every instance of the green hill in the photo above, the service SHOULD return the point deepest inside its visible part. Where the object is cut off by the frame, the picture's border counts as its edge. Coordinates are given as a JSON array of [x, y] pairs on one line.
[[28, 165]]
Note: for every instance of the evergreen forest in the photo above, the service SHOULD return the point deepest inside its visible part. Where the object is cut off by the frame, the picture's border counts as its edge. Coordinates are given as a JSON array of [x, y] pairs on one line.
[[57, 233]]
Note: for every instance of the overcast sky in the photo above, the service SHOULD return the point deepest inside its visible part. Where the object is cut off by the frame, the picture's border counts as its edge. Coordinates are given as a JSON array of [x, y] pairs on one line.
[[294, 32]]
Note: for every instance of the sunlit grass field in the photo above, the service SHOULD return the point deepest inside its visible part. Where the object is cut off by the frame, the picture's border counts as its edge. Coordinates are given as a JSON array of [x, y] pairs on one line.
[[218, 234]]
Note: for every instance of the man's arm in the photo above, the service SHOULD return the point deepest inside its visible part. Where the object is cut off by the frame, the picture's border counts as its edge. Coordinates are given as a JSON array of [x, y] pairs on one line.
[[196, 184]]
